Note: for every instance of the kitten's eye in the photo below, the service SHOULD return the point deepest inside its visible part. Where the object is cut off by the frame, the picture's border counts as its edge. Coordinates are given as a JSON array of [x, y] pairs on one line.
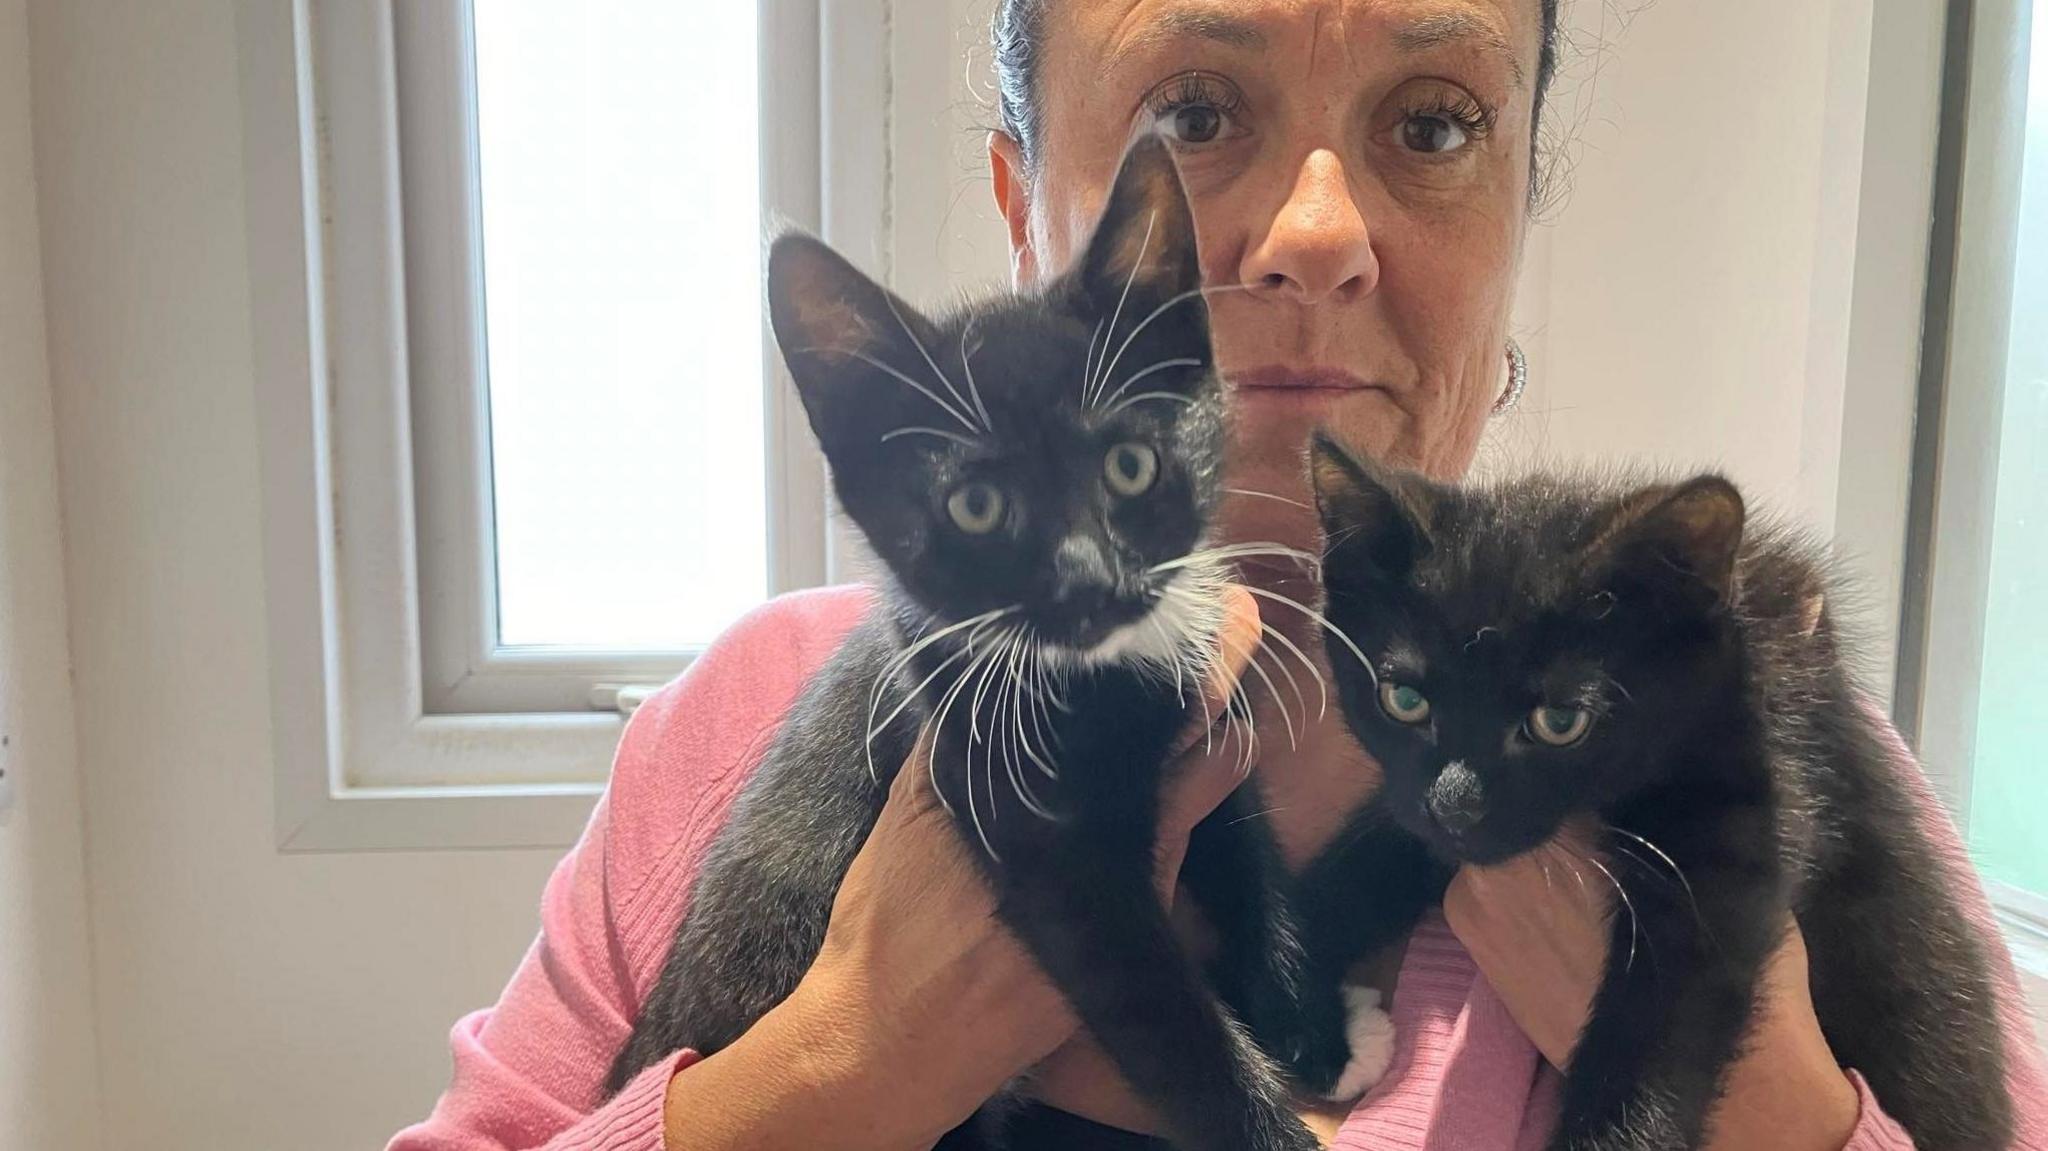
[[1130, 469], [976, 507], [1559, 726], [1403, 704]]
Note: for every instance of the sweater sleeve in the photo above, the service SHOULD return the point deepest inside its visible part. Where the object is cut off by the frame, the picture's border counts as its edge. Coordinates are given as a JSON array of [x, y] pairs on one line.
[[529, 1071]]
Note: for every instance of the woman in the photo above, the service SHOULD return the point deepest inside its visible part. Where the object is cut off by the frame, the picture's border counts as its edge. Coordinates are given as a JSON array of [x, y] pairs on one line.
[[1364, 168]]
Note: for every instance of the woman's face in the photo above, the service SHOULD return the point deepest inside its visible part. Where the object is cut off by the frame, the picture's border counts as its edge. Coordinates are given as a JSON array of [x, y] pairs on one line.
[[1359, 168]]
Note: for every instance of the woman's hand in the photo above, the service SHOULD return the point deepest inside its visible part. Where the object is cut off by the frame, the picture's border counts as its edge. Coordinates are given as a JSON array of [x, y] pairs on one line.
[[1541, 941], [921, 1005]]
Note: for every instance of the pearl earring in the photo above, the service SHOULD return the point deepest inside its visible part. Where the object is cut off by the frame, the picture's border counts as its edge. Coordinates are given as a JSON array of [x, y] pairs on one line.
[[1518, 379]]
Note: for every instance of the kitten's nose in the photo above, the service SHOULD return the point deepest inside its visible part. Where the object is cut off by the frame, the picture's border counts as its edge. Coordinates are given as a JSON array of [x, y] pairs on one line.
[[1456, 800], [1081, 577]]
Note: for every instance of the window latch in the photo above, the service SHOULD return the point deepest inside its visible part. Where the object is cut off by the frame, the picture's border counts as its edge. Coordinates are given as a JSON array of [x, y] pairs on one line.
[[624, 698]]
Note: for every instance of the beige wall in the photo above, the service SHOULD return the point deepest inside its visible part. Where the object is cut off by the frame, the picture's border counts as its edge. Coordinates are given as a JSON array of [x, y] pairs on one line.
[[254, 1001], [48, 1087]]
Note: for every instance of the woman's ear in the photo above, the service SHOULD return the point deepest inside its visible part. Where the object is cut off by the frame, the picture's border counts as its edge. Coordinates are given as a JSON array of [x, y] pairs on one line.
[[1012, 187]]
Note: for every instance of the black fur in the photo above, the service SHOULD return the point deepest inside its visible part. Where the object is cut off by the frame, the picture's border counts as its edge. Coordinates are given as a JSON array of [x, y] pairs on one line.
[[1730, 770], [922, 420]]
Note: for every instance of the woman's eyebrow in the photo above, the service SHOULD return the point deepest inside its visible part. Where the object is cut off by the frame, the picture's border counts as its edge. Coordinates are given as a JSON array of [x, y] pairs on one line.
[[1438, 30], [1454, 29], [1177, 24]]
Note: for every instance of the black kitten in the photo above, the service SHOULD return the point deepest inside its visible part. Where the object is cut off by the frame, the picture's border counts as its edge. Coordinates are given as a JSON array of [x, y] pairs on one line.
[[1637, 659], [1038, 474]]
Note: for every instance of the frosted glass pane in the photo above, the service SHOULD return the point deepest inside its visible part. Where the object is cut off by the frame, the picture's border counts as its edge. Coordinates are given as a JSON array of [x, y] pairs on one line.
[[2009, 800], [619, 145]]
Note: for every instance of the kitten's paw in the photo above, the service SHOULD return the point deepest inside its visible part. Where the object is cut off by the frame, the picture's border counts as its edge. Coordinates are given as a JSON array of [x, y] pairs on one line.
[[1371, 1034]]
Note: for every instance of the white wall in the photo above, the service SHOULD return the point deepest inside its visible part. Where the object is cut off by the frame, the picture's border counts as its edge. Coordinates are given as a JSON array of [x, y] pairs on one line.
[[48, 1079], [250, 1001], [1689, 302], [1734, 274]]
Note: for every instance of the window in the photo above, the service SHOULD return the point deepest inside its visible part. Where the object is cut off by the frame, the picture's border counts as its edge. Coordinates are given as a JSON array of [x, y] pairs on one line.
[[2008, 796], [1973, 676], [593, 417], [527, 448], [621, 220]]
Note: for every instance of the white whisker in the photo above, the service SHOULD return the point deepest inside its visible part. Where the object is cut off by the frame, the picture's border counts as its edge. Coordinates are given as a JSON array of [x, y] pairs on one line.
[[875, 729], [1129, 402], [937, 726], [967, 367], [1020, 742], [1633, 921], [1286, 720], [1172, 302], [1218, 555], [1088, 362], [931, 363], [1269, 496], [1320, 620], [921, 389], [941, 433], [911, 651], [1161, 366], [1322, 685], [1094, 388]]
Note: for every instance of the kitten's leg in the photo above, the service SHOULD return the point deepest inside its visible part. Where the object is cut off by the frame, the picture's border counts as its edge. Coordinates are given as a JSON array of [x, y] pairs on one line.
[[1683, 966], [1088, 913], [1363, 893], [1235, 873]]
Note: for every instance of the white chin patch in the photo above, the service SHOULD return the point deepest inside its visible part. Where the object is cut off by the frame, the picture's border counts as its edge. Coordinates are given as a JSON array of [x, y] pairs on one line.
[[1177, 629], [1371, 1033]]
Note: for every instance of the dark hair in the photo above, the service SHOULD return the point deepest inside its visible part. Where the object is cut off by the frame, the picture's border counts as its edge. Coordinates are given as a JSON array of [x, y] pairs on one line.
[[1019, 41]]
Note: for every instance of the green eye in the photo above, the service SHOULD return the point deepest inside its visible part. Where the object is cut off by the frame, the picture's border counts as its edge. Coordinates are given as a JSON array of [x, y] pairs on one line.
[[1130, 469], [976, 508], [1560, 726], [1403, 704]]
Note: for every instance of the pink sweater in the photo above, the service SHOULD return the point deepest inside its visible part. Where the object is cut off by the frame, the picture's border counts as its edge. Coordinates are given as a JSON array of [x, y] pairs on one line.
[[528, 1071]]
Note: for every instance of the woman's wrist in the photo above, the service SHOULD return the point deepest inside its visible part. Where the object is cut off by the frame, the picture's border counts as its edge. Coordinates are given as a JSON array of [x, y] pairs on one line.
[[1786, 1090], [808, 1074]]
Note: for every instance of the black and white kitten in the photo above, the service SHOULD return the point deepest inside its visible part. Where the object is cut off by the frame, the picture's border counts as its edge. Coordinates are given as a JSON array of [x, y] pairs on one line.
[[1038, 474], [1643, 661]]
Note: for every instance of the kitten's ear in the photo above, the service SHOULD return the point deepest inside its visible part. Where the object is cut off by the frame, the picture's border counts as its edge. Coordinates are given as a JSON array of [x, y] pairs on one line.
[[1693, 530], [1375, 523], [846, 338], [1144, 245]]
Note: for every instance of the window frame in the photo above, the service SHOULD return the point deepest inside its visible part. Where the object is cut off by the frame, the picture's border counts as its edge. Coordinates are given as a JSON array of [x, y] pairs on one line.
[[1972, 253], [386, 731]]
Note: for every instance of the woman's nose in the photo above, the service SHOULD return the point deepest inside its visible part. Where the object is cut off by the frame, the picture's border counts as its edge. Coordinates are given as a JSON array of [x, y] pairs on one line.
[[1318, 246]]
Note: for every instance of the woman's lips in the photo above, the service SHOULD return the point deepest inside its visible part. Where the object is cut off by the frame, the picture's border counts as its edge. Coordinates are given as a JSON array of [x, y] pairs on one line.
[[1283, 384], [1281, 378]]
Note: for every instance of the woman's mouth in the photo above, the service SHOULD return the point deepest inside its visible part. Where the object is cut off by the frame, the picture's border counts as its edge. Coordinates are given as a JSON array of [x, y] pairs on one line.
[[1281, 378], [1281, 385]]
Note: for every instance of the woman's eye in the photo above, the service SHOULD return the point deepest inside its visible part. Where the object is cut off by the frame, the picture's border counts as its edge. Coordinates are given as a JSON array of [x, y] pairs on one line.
[[1130, 469], [1433, 135], [976, 508], [1402, 703], [1192, 124], [1559, 726], [1195, 109]]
